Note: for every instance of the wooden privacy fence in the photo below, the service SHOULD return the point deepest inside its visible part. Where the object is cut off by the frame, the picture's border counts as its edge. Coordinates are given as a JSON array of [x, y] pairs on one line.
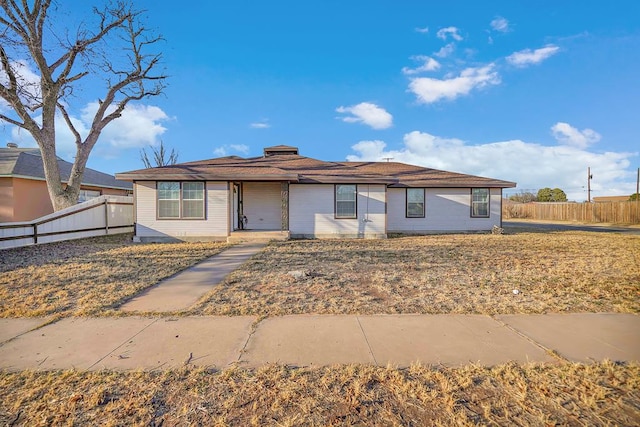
[[96, 217], [608, 212]]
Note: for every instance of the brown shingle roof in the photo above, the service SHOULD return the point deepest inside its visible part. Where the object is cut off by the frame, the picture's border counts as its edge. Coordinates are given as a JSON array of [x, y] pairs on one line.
[[296, 168], [27, 163]]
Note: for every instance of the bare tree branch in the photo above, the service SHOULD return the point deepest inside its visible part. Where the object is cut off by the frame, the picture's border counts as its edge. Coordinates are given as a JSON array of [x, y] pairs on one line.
[[72, 128], [43, 8], [10, 94], [12, 121], [159, 157], [117, 50], [82, 45]]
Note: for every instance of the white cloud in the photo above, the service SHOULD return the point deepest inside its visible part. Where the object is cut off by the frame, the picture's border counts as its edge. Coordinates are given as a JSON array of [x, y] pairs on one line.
[[139, 126], [500, 24], [240, 148], [367, 113], [262, 124], [566, 134], [428, 64], [28, 82], [226, 150], [430, 90], [531, 165], [445, 50], [452, 32], [422, 30], [527, 57], [65, 141]]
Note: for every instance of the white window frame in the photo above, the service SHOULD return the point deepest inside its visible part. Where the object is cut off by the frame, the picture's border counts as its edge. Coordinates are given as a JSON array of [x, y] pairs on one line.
[[476, 202], [340, 200], [422, 214], [184, 196]]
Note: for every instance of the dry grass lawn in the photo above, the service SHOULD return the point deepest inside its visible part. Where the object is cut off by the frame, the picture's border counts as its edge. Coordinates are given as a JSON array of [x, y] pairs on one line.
[[560, 271], [461, 273], [568, 394], [89, 276], [472, 273]]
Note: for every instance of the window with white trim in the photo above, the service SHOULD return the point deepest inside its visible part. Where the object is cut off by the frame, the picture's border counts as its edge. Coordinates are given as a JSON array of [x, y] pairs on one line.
[[180, 200], [193, 200], [346, 205], [480, 203], [415, 203]]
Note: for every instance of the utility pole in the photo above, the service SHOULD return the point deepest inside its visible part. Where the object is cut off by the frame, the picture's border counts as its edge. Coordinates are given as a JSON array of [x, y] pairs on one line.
[[589, 178], [638, 197]]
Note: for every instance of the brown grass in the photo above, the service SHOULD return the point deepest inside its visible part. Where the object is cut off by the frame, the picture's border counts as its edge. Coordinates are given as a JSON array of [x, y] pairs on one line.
[[554, 272], [89, 276], [568, 394]]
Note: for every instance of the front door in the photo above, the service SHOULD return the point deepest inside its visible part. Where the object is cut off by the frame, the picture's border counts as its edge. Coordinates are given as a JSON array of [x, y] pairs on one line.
[[238, 223]]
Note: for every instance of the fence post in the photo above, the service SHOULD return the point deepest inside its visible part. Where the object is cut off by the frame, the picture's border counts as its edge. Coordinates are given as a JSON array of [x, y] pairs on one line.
[[35, 233], [106, 216]]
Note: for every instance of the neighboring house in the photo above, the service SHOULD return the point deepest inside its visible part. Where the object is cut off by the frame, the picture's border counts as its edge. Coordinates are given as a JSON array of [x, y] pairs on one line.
[[23, 189], [308, 198]]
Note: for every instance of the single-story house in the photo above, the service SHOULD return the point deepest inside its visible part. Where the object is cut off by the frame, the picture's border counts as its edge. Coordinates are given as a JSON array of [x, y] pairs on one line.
[[301, 197], [23, 188]]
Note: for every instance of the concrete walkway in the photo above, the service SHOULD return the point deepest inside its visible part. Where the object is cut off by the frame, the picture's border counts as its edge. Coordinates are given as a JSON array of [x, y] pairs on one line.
[[182, 290], [313, 340]]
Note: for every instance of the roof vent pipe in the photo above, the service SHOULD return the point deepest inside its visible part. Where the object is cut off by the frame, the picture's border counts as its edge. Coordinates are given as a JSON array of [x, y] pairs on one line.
[[12, 145]]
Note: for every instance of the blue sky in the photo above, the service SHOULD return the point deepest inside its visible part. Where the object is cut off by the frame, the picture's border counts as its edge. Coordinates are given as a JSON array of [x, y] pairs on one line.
[[532, 92]]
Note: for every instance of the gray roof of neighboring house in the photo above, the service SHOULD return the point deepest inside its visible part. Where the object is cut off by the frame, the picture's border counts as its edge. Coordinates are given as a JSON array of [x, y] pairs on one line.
[[295, 168], [27, 163]]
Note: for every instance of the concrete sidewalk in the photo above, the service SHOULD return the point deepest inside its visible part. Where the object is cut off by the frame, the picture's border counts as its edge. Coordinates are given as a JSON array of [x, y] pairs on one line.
[[316, 340], [181, 291]]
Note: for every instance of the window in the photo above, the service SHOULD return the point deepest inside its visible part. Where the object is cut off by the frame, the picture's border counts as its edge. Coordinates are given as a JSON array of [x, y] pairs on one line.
[[346, 201], [415, 202], [193, 200], [480, 203], [85, 195], [168, 200], [180, 200]]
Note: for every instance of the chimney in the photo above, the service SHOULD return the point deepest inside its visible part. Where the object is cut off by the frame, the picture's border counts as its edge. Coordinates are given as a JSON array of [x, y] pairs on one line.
[[279, 150], [12, 145]]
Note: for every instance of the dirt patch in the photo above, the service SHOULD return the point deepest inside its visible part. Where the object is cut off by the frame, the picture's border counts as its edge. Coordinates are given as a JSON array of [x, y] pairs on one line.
[[550, 272], [89, 276], [568, 394]]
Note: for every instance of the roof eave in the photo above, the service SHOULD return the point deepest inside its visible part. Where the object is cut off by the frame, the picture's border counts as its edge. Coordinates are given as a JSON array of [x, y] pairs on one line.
[[444, 184], [203, 177], [329, 179], [83, 183]]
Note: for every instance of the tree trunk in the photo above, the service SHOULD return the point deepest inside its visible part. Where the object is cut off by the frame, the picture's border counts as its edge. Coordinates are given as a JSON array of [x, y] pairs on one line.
[[26, 30], [46, 138], [66, 195]]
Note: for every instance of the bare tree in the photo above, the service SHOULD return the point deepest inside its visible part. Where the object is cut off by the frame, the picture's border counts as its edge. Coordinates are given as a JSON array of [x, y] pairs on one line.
[[523, 197], [115, 51], [159, 157]]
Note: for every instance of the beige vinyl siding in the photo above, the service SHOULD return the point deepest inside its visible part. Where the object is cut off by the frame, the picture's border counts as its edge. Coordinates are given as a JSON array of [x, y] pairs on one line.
[[446, 209], [312, 212], [214, 226], [262, 205]]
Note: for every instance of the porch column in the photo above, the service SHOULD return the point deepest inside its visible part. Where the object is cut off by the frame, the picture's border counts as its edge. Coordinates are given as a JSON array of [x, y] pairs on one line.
[[284, 194]]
